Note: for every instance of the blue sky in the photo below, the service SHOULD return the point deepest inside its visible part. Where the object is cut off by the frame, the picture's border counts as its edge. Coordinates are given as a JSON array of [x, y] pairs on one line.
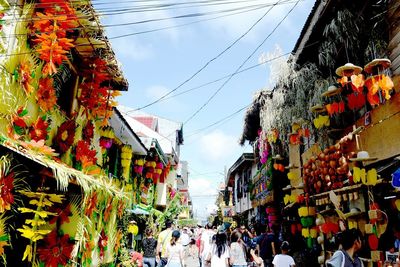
[[155, 63]]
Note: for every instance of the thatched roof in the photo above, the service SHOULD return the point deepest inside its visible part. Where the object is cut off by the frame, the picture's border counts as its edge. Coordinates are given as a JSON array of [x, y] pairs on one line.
[[93, 42], [252, 117]]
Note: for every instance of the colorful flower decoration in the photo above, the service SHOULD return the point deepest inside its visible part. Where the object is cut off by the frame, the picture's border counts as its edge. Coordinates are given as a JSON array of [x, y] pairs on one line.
[[89, 247], [85, 155], [138, 167], [105, 142], [46, 95], [321, 121], [88, 131], [118, 239], [25, 76], [335, 108], [65, 136], [50, 28], [108, 209], [38, 130], [91, 203], [6, 184], [31, 229], [56, 251], [357, 83], [356, 101], [103, 241], [126, 159], [378, 83], [62, 215], [120, 211], [18, 123], [4, 238], [40, 148], [97, 99]]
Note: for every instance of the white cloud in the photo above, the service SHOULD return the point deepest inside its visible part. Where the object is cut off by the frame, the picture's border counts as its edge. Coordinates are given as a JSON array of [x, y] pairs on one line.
[[201, 187], [130, 49], [217, 146]]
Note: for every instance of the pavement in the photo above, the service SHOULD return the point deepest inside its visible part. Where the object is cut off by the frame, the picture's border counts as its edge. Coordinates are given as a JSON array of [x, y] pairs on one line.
[[192, 262]]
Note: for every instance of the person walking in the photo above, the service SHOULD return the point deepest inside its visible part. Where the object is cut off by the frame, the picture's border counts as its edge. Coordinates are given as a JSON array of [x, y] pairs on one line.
[[163, 239], [175, 251], [237, 252], [283, 259], [219, 254], [149, 249], [347, 257], [266, 243]]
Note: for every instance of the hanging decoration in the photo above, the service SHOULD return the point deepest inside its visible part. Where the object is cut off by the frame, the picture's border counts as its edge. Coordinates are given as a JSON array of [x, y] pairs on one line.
[[85, 156], [7, 177], [46, 95], [49, 30], [126, 159]]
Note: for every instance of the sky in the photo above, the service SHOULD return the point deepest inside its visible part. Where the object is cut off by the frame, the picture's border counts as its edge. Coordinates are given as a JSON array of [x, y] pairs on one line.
[[159, 61]]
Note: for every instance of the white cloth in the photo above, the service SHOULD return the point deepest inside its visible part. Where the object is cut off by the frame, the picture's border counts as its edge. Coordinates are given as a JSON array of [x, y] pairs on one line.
[[185, 239], [174, 252], [238, 254], [283, 260], [219, 261]]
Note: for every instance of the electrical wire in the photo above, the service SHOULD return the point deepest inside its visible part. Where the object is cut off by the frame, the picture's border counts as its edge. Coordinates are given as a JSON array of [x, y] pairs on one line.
[[208, 63], [219, 121], [243, 63], [240, 11]]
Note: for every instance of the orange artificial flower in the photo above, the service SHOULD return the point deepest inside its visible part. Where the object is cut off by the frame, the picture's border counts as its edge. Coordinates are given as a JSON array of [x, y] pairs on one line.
[[24, 76], [46, 95], [91, 204]]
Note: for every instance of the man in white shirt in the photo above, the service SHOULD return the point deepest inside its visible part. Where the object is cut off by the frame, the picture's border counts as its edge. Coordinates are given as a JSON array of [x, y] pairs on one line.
[[283, 260]]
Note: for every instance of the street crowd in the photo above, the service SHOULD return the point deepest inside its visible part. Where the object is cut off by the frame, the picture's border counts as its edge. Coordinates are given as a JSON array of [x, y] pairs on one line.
[[224, 247], [215, 247]]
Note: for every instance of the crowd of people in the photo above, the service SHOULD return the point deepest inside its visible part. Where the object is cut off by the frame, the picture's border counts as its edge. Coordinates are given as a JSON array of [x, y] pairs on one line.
[[240, 247], [215, 247]]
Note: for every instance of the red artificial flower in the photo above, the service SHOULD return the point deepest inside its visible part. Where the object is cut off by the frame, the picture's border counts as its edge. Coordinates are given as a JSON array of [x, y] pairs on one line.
[[88, 131], [294, 139], [63, 215], [65, 136], [46, 94], [85, 155], [57, 250], [103, 241], [6, 195], [38, 131]]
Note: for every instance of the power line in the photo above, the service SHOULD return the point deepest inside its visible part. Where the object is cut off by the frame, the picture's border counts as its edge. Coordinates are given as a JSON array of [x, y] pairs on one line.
[[243, 10], [209, 62], [238, 69], [219, 121]]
